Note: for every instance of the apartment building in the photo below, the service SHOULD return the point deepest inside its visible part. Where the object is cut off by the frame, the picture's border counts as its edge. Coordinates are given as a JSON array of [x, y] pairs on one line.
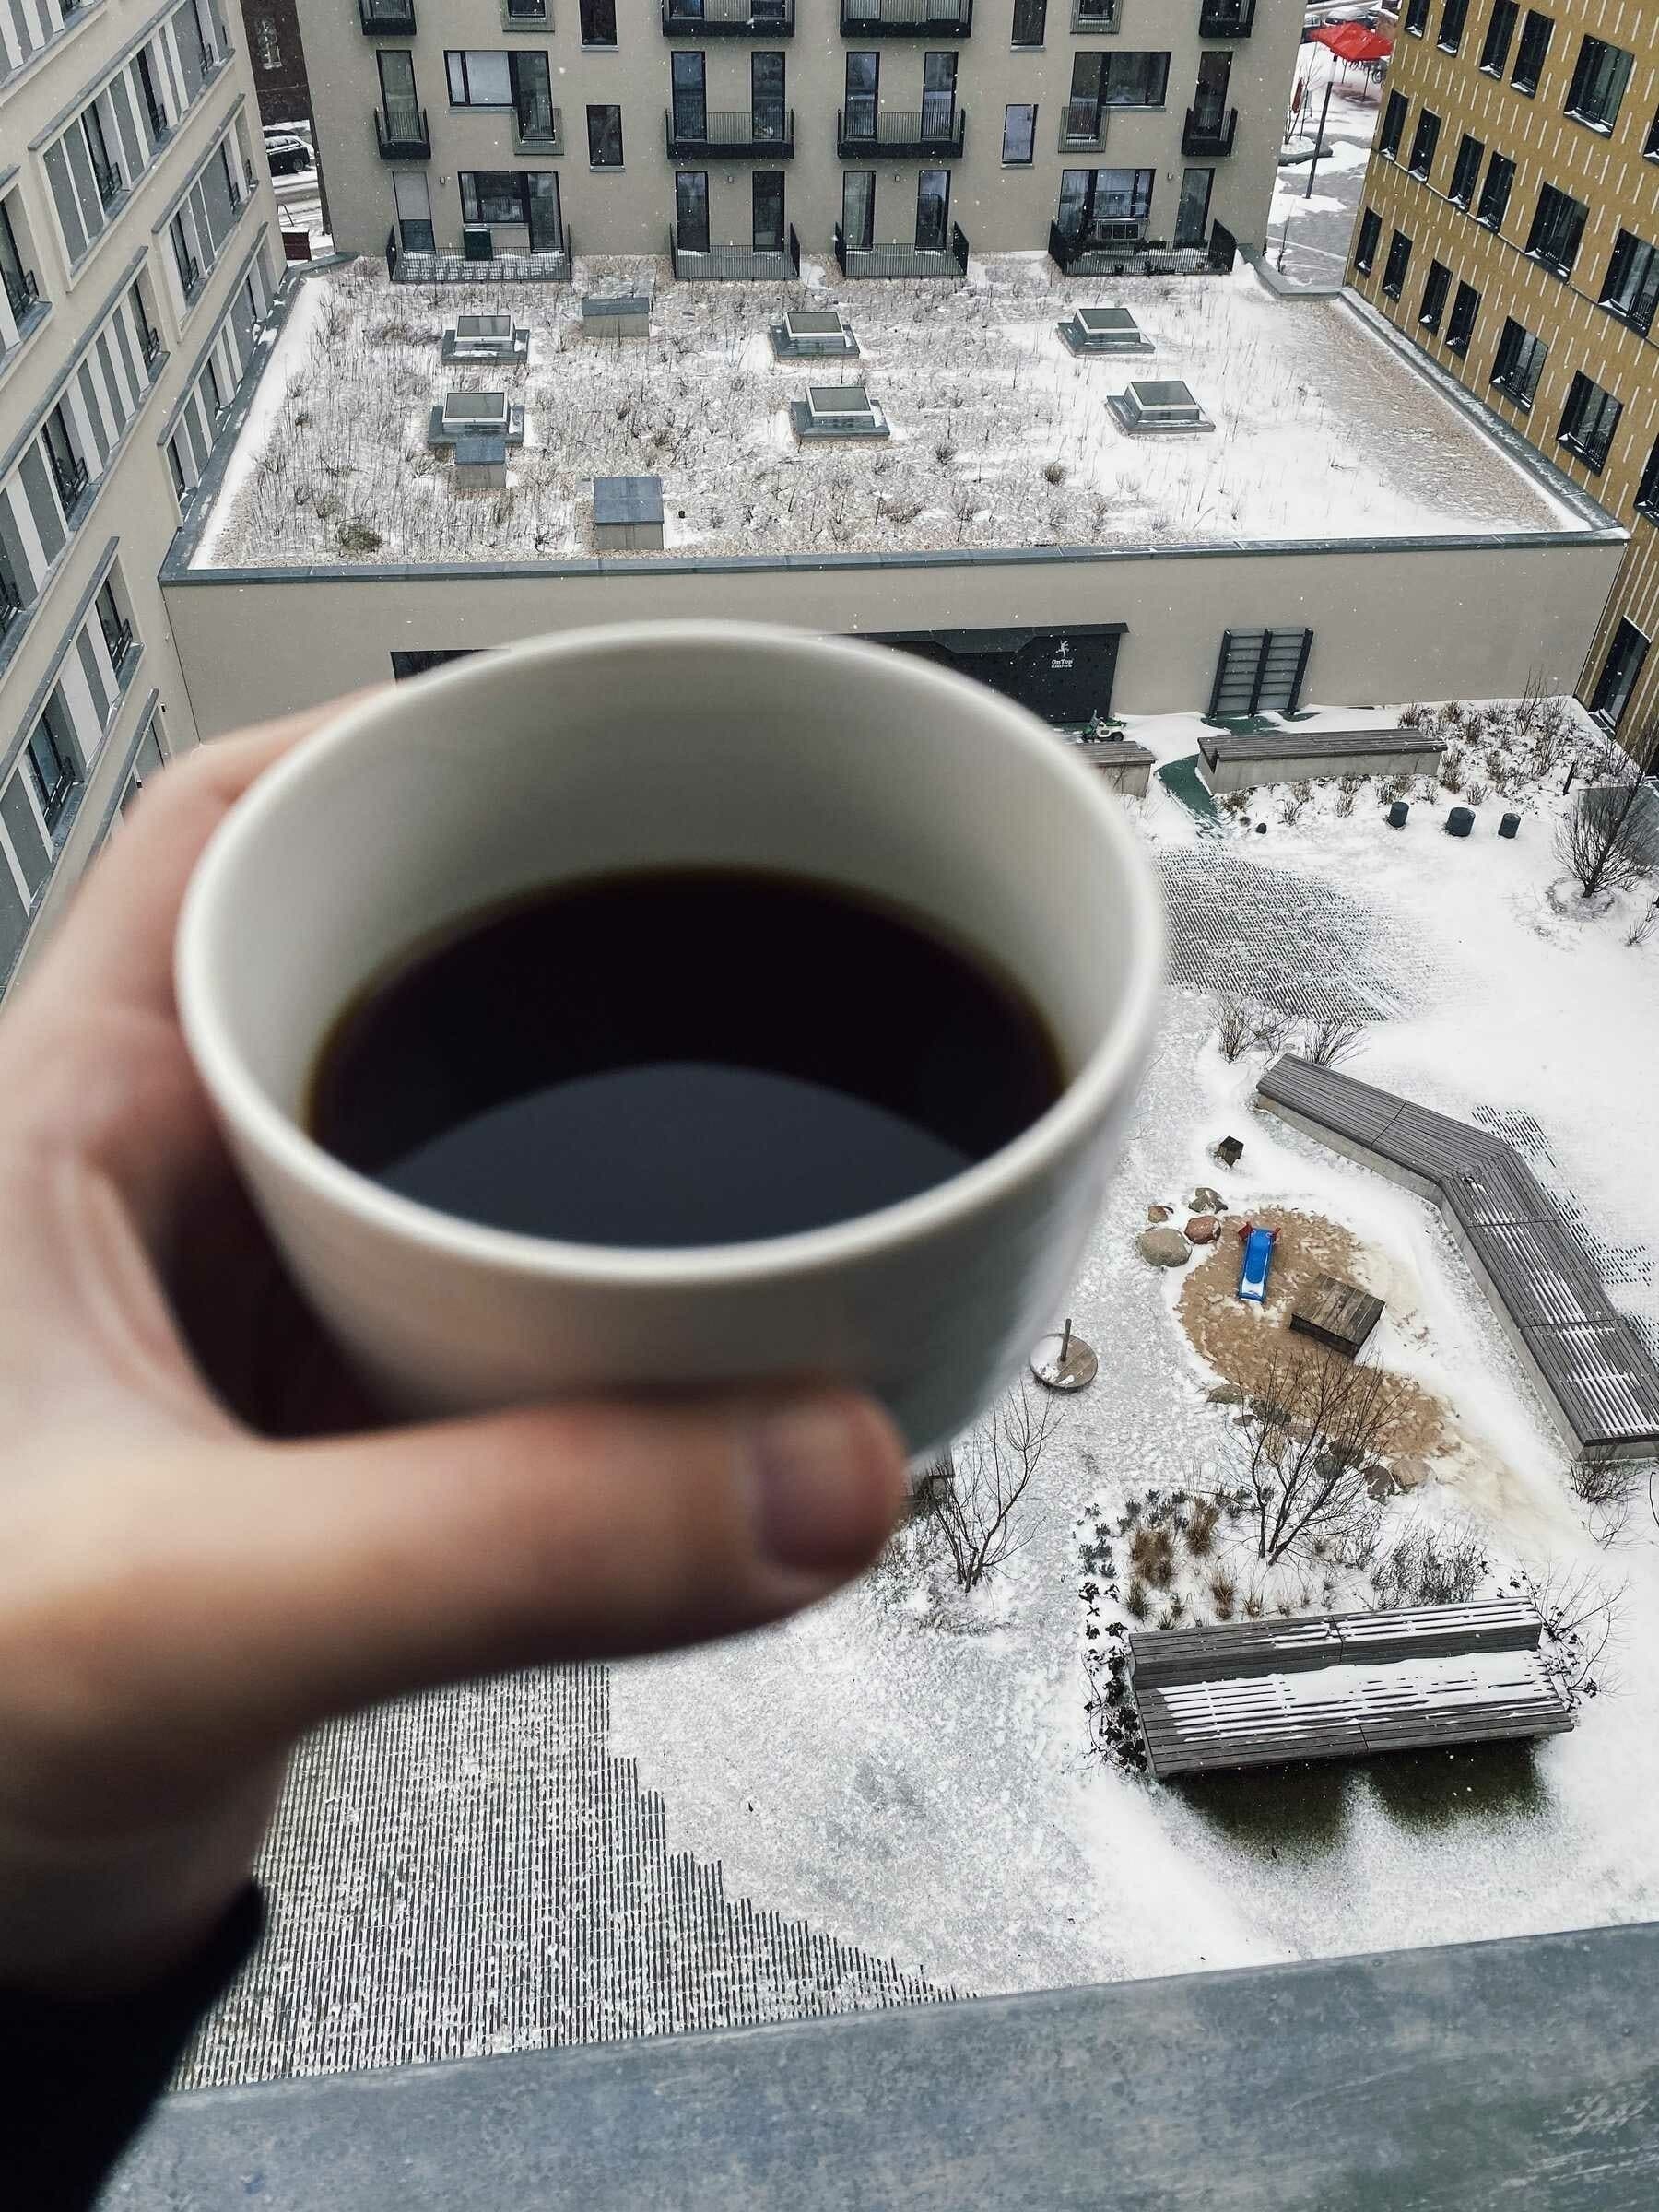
[[736, 134], [1511, 227], [136, 234], [277, 56]]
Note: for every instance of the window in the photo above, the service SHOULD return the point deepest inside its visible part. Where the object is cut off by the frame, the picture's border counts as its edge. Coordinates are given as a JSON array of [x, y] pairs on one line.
[[1399, 261], [1631, 291], [1519, 363], [1416, 16], [1424, 141], [1093, 201], [478, 81], [1454, 16], [1028, 21], [491, 195], [1621, 672], [1260, 669], [1467, 170], [598, 22], [265, 45], [1495, 197], [52, 762], [1647, 491], [605, 138], [1558, 229], [691, 210], [1533, 51], [1020, 134], [1599, 82], [1393, 125], [1590, 422], [1652, 149], [1434, 295], [1371, 236], [1500, 32], [1136, 80], [1460, 329], [117, 630]]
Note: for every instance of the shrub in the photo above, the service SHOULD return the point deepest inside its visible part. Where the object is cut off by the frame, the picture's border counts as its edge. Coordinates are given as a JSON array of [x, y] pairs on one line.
[[1476, 792], [1253, 1607], [1152, 1557], [1348, 793], [1054, 473], [355, 537], [1224, 1591], [1327, 1044], [1232, 1025], [944, 452], [1135, 1602], [1296, 799], [1200, 1528]]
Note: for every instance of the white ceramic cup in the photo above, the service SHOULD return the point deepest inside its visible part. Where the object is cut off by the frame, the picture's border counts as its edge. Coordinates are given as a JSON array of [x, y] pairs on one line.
[[652, 745]]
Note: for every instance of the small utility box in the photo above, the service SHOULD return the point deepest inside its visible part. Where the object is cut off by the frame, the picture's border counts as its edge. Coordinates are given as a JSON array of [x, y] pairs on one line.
[[1510, 825], [837, 411], [627, 515], [486, 338], [1157, 408], [1398, 813], [481, 463], [812, 332], [1094, 330], [616, 315], [1460, 820]]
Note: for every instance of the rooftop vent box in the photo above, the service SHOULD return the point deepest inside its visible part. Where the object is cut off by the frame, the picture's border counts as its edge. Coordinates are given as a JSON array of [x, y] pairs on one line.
[[485, 339], [837, 411], [616, 314], [1144, 409], [1104, 330], [481, 463], [469, 411], [627, 515], [805, 332]]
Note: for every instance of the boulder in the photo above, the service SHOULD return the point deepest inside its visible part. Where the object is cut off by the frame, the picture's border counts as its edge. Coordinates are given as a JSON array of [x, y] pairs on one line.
[[1225, 1394], [1411, 1472], [1203, 1229], [1164, 1247], [1206, 1201], [1157, 1212]]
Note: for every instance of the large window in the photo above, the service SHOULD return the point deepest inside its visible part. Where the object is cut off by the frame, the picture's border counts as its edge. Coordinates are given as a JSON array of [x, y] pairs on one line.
[[1460, 325], [691, 210], [1599, 82], [1621, 672], [1020, 134], [1533, 51], [1399, 261], [1590, 422], [1416, 16], [492, 196], [1260, 670], [1424, 141], [1029, 23], [1647, 491], [1465, 171], [1631, 290], [1136, 80], [1495, 194], [1091, 200], [605, 138], [53, 763], [1371, 236], [1393, 125], [1500, 32], [1454, 16], [478, 81], [598, 22], [1558, 229], [1519, 363], [1435, 289]]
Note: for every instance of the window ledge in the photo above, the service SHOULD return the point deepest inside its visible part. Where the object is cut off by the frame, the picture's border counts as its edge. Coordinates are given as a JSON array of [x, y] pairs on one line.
[[1591, 122], [27, 332]]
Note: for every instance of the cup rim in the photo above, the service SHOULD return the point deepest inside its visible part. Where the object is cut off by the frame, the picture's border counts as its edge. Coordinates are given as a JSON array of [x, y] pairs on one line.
[[243, 1104]]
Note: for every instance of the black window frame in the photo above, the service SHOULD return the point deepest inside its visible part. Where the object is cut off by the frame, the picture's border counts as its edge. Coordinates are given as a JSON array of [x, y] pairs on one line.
[[1420, 161], [594, 16], [57, 774], [1392, 128], [1368, 237], [1632, 257], [1029, 12], [1465, 171], [604, 128], [1518, 363], [1614, 676], [1460, 326], [1415, 19], [1532, 51], [1501, 26], [499, 197], [1117, 66], [1026, 108], [1594, 444], [460, 53], [1647, 491], [1495, 194], [1437, 290], [1454, 19], [1590, 53], [1558, 229], [1397, 267]]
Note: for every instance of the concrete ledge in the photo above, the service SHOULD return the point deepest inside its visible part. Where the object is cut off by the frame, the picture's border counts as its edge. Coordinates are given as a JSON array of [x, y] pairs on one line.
[[1126, 767], [1238, 763]]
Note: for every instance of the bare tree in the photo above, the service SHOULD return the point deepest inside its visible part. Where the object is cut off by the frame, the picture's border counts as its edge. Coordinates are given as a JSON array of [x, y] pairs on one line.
[[1607, 1489], [1232, 1025], [989, 1471], [1318, 1425], [1600, 843], [1579, 1612], [1327, 1043], [1270, 1030]]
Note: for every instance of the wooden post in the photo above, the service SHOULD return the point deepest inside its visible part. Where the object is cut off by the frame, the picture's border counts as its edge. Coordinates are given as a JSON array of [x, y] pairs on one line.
[[1065, 1341]]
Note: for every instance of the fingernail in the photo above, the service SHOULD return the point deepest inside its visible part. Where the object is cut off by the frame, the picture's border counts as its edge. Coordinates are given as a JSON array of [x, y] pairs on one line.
[[821, 1501]]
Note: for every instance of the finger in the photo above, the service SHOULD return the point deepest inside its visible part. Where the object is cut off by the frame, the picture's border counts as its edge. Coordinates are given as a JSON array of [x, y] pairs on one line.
[[305, 1580]]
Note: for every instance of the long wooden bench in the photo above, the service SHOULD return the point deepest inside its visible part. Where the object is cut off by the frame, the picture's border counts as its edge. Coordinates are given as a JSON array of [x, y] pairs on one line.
[[1292, 755], [1591, 1368], [1342, 1686]]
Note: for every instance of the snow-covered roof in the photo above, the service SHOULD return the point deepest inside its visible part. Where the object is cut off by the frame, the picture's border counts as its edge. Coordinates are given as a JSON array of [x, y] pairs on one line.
[[1001, 438]]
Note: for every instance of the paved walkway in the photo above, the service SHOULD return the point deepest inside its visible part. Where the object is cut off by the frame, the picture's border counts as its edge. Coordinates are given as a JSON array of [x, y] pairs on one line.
[[1315, 232]]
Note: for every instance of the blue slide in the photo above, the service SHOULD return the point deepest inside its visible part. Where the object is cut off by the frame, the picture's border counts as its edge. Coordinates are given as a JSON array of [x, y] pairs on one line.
[[1254, 1265]]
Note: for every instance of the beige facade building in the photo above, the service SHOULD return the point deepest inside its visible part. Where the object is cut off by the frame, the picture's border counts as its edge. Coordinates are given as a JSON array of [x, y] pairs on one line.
[[136, 267], [1511, 227], [741, 135]]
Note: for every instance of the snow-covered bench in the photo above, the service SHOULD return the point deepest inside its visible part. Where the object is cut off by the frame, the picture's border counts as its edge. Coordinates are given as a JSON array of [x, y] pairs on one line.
[[1292, 755], [1342, 1686]]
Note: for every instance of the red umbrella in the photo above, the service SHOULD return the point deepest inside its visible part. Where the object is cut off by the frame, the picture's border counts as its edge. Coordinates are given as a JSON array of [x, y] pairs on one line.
[[1352, 41]]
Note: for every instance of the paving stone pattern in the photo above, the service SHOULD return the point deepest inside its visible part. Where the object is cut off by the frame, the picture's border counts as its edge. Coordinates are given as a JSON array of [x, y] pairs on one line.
[[475, 1870], [1281, 940]]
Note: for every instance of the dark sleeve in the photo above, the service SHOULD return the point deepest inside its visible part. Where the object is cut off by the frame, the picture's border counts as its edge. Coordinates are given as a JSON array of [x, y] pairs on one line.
[[78, 2077]]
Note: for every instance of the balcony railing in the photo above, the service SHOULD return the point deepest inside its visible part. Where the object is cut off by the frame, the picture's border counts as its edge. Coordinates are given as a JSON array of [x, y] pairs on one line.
[[400, 130], [736, 265], [210, 61], [110, 181], [1226, 18], [21, 290], [721, 133], [1082, 126], [69, 476], [1090, 17], [538, 125], [902, 261], [906, 18], [728, 18], [190, 274], [1103, 242], [150, 344], [387, 19], [118, 641], [1209, 130], [9, 610], [901, 133]]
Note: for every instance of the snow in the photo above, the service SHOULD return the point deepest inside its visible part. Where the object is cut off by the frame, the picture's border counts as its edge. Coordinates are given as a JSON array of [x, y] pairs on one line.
[[915, 1773], [1000, 437]]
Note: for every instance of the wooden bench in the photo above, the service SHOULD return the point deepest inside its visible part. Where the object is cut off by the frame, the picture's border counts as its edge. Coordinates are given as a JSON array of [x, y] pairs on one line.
[[1342, 1686], [1337, 1314], [1292, 755]]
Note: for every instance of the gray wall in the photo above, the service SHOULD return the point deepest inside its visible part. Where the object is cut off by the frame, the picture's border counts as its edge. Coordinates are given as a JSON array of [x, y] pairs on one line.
[[1478, 616]]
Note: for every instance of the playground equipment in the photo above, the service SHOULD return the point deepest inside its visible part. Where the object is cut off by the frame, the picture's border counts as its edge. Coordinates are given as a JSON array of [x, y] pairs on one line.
[[1256, 1261]]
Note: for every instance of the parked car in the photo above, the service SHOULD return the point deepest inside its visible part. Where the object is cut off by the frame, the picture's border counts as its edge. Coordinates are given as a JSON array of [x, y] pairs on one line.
[[287, 153]]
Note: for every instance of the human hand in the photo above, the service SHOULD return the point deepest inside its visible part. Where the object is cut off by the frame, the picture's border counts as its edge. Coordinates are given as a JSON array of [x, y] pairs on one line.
[[207, 1545]]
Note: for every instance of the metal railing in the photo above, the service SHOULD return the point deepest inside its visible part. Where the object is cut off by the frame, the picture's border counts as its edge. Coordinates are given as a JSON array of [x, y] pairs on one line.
[[902, 261], [190, 274], [150, 344], [117, 642], [400, 130], [387, 19], [1095, 16], [1226, 18], [69, 476], [1082, 126], [768, 133], [906, 18], [902, 132], [10, 609], [110, 181], [1210, 129], [736, 265], [539, 123], [21, 290], [1123, 238], [728, 18], [210, 61]]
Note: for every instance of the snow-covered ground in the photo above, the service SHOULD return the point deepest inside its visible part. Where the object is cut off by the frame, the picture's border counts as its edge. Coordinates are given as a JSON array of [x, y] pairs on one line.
[[916, 1775], [1308, 238], [1000, 437]]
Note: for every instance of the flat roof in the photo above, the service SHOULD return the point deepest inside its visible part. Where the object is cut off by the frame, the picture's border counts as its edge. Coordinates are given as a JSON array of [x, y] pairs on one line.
[[1328, 432]]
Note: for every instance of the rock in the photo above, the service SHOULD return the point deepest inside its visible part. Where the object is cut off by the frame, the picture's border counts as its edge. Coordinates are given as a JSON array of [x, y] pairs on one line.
[[1206, 1201], [1380, 1484], [1157, 1212], [1225, 1394], [1411, 1473], [1203, 1229], [1230, 1151], [1261, 829], [1164, 1247]]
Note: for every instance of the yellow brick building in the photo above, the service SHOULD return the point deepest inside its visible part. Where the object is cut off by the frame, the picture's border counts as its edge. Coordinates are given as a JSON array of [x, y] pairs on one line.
[[1511, 227]]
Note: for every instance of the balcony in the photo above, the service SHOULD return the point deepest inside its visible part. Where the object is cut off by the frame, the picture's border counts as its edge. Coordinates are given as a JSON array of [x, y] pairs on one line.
[[387, 19], [537, 126], [1209, 130], [901, 135], [949, 261], [907, 19], [1082, 127], [9, 610], [1105, 248], [400, 131], [110, 181], [149, 345], [732, 135], [22, 292], [1091, 19], [118, 641], [70, 476], [543, 266], [736, 265], [189, 275], [1226, 18], [728, 18]]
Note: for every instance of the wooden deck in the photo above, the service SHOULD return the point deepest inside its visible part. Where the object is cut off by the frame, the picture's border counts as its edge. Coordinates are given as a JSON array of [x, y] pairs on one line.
[[1593, 1370], [1342, 1686]]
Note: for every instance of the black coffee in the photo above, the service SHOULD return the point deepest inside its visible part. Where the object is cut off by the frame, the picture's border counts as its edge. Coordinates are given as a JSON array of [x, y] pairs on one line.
[[680, 1057]]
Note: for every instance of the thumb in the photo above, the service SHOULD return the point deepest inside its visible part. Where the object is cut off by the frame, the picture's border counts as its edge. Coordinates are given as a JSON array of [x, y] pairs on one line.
[[364, 1568]]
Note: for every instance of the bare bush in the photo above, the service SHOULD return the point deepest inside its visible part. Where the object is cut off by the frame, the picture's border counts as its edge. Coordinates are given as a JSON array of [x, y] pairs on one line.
[[1347, 793], [991, 1468], [1053, 472], [1607, 1490], [1318, 1424], [1641, 929], [1579, 1612], [1271, 1030], [1135, 1601], [1600, 843], [1296, 799], [1224, 1591], [1200, 1528], [1327, 1043], [1429, 1566], [1232, 1025], [1152, 1556]]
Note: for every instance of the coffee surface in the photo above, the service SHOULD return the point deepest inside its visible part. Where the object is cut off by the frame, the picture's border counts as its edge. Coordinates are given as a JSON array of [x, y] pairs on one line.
[[680, 1057]]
